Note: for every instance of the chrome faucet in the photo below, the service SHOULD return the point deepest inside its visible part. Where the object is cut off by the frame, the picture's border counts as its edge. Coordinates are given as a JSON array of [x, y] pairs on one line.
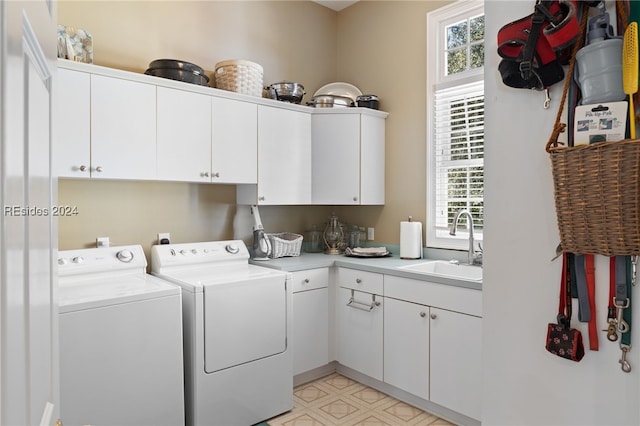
[[474, 259]]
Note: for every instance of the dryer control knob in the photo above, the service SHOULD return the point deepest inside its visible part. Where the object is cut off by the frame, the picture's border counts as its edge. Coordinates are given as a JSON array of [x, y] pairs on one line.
[[78, 259], [62, 261], [232, 248], [125, 256]]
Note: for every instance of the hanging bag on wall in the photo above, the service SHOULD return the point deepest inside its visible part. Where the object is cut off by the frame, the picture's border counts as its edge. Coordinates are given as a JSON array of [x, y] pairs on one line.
[[562, 340], [596, 189]]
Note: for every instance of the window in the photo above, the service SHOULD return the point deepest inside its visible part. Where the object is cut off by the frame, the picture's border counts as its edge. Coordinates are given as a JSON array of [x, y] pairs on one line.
[[455, 121]]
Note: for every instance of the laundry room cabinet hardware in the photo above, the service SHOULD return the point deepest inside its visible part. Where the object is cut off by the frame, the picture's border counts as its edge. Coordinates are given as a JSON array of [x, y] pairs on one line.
[[363, 306]]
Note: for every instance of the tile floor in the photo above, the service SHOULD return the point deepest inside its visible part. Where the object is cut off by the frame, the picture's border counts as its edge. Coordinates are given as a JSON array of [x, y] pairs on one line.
[[337, 400]]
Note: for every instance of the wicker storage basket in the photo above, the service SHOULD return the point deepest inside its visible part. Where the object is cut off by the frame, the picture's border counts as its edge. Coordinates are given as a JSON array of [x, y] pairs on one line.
[[596, 189], [285, 244], [597, 196], [239, 75]]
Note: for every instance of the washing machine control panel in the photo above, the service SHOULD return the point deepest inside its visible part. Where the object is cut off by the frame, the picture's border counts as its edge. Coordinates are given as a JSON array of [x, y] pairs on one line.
[[103, 259], [196, 253]]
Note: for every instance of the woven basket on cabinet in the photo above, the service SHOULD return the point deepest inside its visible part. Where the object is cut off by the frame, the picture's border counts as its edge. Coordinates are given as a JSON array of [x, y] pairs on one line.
[[240, 76]]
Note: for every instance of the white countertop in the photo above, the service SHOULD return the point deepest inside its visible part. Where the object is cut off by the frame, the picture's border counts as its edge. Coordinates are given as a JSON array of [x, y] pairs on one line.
[[382, 265]]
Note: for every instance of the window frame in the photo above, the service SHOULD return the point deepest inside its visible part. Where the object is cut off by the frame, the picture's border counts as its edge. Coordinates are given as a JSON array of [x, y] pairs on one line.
[[437, 79]]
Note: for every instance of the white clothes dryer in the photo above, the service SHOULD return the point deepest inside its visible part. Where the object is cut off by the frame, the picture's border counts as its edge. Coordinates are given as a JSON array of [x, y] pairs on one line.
[[121, 360], [237, 328]]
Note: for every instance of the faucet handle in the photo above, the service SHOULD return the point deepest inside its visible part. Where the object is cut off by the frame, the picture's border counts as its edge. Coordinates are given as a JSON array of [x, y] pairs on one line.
[[480, 247]]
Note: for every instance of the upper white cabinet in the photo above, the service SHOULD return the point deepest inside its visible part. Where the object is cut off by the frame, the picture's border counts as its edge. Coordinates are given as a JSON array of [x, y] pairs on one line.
[[234, 143], [184, 135], [123, 129], [284, 159], [115, 124], [72, 133], [348, 151]]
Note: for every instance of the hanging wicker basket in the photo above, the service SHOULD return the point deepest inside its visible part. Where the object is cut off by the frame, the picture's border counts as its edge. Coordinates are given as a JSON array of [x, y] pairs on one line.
[[597, 196], [596, 190]]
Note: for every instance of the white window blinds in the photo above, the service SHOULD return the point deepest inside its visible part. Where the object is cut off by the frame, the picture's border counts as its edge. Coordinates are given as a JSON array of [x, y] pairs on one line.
[[459, 154]]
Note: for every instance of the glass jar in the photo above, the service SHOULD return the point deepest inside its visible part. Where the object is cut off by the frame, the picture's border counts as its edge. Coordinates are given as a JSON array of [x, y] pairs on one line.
[[354, 237], [314, 243]]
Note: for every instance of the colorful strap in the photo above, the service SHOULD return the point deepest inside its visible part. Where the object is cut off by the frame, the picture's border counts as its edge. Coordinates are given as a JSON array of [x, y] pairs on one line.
[[591, 285]]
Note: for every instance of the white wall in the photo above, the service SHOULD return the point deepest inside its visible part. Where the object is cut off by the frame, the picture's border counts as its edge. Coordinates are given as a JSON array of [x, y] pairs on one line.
[[523, 384]]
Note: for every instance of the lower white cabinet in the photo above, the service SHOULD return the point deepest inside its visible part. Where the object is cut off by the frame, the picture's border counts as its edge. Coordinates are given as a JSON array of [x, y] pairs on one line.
[[456, 361], [359, 331], [310, 319], [433, 342], [406, 346]]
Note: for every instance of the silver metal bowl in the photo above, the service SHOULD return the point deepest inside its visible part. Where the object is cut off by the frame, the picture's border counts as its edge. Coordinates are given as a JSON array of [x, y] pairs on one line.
[[286, 91]]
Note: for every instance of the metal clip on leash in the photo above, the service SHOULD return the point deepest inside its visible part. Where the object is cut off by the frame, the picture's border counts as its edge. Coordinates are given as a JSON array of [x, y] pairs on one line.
[[547, 98], [626, 367]]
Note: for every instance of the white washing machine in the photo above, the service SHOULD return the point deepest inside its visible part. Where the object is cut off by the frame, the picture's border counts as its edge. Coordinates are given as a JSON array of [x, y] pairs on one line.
[[121, 360], [237, 328]]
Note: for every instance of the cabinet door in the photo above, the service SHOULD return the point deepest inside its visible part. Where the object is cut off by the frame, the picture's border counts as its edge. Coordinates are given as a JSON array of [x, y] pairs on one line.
[[284, 156], [184, 135], [310, 329], [406, 346], [372, 160], [360, 333], [234, 153], [123, 129], [456, 365], [71, 136], [336, 159]]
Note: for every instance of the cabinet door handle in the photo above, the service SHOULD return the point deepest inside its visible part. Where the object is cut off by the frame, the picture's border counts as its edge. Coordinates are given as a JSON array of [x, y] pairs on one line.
[[83, 168], [215, 175], [363, 306], [306, 280], [355, 198], [261, 198], [434, 316], [204, 174], [423, 314], [358, 280], [99, 169]]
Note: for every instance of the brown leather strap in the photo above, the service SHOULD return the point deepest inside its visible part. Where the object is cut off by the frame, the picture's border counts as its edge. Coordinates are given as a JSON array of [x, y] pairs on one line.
[[559, 127]]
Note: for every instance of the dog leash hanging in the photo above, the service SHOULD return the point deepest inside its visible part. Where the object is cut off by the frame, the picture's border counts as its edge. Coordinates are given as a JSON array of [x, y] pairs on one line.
[[622, 301], [612, 329]]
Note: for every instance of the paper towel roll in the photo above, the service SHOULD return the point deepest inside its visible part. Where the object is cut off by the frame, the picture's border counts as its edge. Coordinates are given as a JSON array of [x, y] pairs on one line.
[[411, 240]]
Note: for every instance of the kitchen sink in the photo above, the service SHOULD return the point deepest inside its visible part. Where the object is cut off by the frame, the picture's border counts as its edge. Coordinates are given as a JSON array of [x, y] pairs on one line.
[[444, 268]]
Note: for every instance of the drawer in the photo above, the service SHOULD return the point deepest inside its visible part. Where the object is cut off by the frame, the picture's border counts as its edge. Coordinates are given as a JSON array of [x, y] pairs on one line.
[[459, 299], [369, 282], [310, 279]]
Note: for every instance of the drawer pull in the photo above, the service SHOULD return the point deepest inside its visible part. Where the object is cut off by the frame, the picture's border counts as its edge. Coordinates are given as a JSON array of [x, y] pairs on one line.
[[363, 306], [358, 280], [423, 314], [306, 280]]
